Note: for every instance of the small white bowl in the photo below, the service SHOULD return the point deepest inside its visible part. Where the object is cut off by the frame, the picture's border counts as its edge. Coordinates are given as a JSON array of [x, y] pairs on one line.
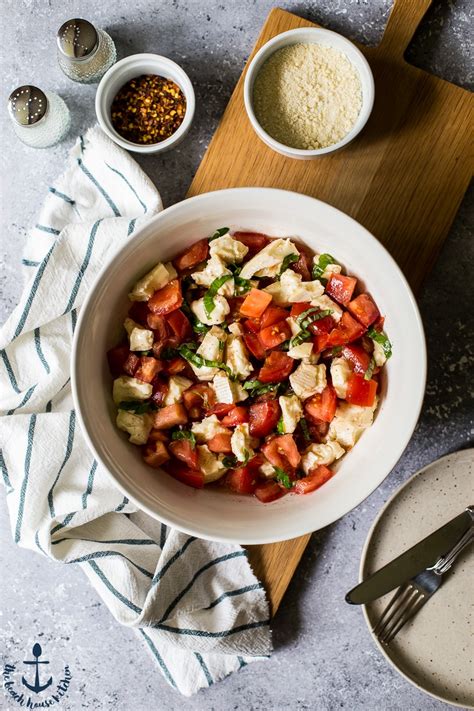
[[311, 35], [210, 512], [129, 68]]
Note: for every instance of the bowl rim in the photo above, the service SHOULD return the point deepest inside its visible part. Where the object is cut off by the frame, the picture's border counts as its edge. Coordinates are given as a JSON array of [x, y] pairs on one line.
[[161, 62], [140, 500], [266, 51]]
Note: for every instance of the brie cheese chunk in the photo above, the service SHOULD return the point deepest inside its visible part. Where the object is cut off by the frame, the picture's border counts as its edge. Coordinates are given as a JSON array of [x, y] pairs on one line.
[[211, 348], [228, 391], [217, 315], [177, 385], [241, 443], [228, 249], [308, 380], [340, 374], [317, 454], [237, 357], [270, 257], [137, 426], [210, 465], [332, 268], [214, 269], [126, 388], [291, 412], [153, 281], [325, 303], [379, 354], [208, 428], [349, 422]]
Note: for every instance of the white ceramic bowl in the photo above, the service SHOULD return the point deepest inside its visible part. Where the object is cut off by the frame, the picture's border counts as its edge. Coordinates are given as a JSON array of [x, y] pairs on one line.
[[133, 66], [314, 35], [221, 515]]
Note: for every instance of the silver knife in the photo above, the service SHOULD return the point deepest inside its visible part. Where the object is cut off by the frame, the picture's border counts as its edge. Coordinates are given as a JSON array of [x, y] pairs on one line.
[[422, 555]]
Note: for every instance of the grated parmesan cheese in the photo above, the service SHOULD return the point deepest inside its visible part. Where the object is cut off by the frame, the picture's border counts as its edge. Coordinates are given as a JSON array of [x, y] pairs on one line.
[[307, 96]]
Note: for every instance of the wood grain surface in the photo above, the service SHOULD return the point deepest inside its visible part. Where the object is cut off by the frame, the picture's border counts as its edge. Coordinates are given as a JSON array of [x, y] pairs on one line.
[[403, 179]]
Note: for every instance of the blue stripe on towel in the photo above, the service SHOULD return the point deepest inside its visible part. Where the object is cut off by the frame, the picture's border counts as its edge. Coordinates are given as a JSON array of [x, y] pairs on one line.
[[46, 228], [28, 394], [113, 590], [205, 669], [39, 350], [99, 187], [234, 593], [30, 263], [211, 635], [70, 439], [24, 484], [62, 196], [131, 226], [10, 373], [83, 267], [163, 532], [122, 505], [123, 541], [67, 519], [108, 554], [221, 559], [90, 484], [114, 170], [158, 658], [6, 478], [173, 558], [32, 294]]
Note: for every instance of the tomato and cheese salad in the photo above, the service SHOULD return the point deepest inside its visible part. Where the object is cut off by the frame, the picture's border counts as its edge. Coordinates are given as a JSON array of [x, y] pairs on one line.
[[248, 361]]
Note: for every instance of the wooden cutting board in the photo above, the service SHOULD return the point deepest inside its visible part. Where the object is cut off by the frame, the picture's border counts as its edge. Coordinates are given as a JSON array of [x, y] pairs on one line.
[[403, 178]]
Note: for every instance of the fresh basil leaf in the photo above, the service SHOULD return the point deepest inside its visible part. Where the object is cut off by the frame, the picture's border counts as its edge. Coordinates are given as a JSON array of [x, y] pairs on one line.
[[246, 457], [219, 233], [199, 327], [370, 370], [336, 350], [184, 434], [280, 426], [187, 351], [381, 338], [258, 388], [305, 429], [230, 461], [311, 315], [209, 303], [285, 346], [138, 407], [168, 353], [283, 478], [241, 285], [289, 259], [300, 338], [323, 262]]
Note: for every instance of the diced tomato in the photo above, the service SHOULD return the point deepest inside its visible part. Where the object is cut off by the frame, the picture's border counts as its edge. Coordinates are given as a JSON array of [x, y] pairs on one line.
[[322, 326], [322, 407], [271, 315], [160, 390], [251, 325], [155, 454], [158, 436], [254, 345], [316, 478], [304, 264], [358, 357], [282, 450], [360, 391], [263, 417], [180, 325], [379, 323], [167, 299], [320, 342], [158, 324], [193, 256], [268, 491], [243, 480], [297, 309], [341, 288], [275, 335], [175, 365], [318, 430], [182, 449], [220, 443], [237, 416], [347, 330], [277, 367], [148, 368], [182, 473], [131, 364], [170, 416], [219, 409], [200, 396], [255, 303], [235, 302], [253, 240], [364, 309], [116, 358], [138, 312]]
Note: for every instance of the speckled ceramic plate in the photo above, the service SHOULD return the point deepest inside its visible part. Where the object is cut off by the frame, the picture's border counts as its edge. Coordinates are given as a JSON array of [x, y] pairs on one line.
[[435, 650]]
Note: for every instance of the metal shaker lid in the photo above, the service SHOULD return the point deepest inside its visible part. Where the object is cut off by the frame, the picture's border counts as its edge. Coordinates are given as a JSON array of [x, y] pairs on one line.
[[77, 39], [27, 105]]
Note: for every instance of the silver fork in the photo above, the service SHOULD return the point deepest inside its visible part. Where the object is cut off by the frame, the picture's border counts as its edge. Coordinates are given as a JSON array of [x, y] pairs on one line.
[[412, 595]]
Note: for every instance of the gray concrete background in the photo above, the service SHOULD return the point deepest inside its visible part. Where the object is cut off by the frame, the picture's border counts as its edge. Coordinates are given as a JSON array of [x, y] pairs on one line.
[[324, 658]]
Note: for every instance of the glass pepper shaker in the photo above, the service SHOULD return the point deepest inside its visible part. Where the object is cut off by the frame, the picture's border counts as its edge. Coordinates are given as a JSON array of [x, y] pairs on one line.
[[84, 52], [40, 118]]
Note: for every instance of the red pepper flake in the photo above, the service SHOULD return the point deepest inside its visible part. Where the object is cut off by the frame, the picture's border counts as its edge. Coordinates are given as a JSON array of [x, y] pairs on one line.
[[148, 109]]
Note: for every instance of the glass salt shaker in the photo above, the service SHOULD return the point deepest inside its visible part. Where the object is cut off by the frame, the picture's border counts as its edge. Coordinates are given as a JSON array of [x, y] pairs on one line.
[[84, 52], [40, 118]]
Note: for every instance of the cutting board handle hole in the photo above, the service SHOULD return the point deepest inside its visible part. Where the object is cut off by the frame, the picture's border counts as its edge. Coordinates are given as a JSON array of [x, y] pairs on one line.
[[402, 24]]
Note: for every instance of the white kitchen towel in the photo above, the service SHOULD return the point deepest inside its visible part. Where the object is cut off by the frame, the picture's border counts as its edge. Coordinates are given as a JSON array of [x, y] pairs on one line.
[[197, 604]]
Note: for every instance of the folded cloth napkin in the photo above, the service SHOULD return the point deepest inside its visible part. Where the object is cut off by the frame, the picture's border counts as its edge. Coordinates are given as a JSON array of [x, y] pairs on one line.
[[197, 604]]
